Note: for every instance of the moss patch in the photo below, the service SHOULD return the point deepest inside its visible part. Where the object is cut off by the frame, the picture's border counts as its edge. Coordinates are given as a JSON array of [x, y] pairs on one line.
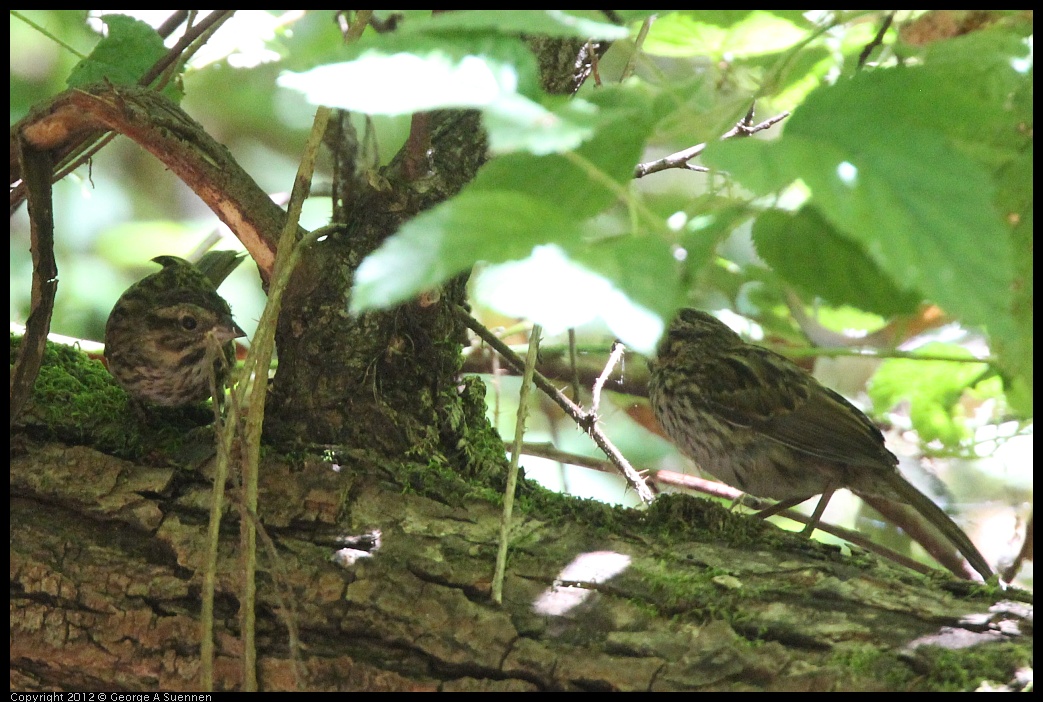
[[76, 401]]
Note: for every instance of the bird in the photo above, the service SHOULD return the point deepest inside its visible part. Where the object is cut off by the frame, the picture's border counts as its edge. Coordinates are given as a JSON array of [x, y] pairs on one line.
[[156, 335], [760, 423]]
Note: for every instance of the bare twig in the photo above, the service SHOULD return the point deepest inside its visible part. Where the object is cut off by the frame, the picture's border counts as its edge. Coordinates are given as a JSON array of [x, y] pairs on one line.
[[617, 353], [628, 70], [201, 31], [585, 420], [877, 41], [680, 159]]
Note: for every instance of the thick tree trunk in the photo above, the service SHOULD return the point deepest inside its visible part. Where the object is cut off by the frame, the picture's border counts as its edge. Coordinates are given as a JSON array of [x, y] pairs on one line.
[[379, 380], [384, 569]]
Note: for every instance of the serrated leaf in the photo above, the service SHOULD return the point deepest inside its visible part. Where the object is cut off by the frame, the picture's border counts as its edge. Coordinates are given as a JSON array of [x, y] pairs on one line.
[[551, 23], [122, 57], [808, 252], [922, 210], [449, 238], [561, 292]]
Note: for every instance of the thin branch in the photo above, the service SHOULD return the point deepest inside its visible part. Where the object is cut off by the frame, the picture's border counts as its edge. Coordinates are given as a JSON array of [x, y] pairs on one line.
[[713, 488], [257, 363], [617, 353], [628, 69], [208, 25], [78, 152], [680, 159], [878, 40], [166, 131], [585, 420], [512, 471], [36, 174], [417, 162]]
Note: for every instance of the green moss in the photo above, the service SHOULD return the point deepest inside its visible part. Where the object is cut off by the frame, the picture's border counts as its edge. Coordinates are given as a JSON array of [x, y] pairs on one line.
[[75, 400], [871, 663], [933, 667], [965, 669], [475, 445]]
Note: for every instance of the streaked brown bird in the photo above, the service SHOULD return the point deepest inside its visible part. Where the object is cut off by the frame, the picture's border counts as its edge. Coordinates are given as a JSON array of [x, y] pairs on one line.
[[760, 423], [156, 334]]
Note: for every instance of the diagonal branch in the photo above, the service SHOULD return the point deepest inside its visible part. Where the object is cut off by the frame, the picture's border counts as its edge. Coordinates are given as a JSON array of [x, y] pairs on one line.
[[585, 420], [168, 133], [680, 159]]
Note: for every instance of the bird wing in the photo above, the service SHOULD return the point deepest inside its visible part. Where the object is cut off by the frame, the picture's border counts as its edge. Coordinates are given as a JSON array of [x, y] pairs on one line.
[[768, 394]]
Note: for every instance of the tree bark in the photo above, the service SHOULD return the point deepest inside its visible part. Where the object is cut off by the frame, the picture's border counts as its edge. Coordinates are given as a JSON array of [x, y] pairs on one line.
[[106, 572]]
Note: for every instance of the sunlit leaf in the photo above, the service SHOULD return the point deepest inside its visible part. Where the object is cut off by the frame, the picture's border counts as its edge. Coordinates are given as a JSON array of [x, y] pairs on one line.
[[403, 83], [449, 238], [551, 23], [732, 33], [932, 389], [560, 293]]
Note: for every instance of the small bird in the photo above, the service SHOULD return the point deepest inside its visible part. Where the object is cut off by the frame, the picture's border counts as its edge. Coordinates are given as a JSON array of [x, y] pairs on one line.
[[156, 334], [760, 423]]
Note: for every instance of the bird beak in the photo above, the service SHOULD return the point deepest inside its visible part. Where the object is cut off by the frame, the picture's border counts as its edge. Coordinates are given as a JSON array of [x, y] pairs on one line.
[[228, 330]]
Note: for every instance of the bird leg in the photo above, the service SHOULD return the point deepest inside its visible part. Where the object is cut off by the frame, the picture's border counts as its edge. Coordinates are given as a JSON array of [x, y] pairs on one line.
[[780, 506], [783, 505], [819, 509]]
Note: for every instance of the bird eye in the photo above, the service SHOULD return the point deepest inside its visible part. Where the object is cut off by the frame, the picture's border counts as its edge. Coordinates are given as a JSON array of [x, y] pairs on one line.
[[188, 322]]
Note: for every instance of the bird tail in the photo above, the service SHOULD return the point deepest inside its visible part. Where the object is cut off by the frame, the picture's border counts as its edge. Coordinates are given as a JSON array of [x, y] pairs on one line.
[[218, 264], [934, 514]]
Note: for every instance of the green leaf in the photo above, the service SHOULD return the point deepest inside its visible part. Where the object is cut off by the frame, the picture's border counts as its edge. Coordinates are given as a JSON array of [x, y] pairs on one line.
[[733, 33], [557, 291], [487, 72], [122, 57], [552, 23], [516, 123], [765, 167], [449, 238], [921, 209], [807, 252], [624, 122], [933, 390], [978, 77], [514, 203], [642, 267], [402, 83]]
